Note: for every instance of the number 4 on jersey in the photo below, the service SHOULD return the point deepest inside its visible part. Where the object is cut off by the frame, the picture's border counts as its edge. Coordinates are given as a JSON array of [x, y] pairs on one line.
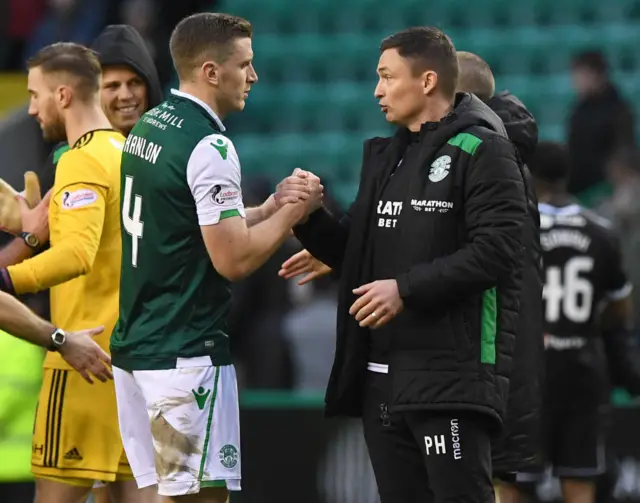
[[133, 225]]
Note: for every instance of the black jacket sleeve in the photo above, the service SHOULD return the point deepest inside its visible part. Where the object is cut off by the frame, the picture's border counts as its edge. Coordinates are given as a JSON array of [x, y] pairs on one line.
[[494, 213], [325, 237]]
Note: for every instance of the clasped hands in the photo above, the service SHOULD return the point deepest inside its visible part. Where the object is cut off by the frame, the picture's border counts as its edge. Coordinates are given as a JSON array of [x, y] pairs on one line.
[[378, 302], [301, 187]]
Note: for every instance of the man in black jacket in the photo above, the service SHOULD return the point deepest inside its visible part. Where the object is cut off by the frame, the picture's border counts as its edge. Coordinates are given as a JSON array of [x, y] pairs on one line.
[[519, 446], [430, 259]]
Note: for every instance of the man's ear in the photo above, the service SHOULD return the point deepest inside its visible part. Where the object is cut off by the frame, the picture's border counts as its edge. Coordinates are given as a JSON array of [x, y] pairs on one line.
[[211, 72], [429, 82], [63, 95]]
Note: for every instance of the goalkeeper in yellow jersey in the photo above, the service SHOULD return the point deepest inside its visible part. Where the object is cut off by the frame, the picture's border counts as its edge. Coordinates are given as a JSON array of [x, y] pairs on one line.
[[76, 437]]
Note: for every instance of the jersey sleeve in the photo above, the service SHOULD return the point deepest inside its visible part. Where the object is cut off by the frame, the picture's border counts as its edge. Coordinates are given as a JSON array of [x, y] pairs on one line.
[[213, 175], [80, 191], [616, 285]]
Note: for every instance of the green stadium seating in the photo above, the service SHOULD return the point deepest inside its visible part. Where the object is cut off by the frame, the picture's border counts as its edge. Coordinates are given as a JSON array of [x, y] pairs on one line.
[[316, 60]]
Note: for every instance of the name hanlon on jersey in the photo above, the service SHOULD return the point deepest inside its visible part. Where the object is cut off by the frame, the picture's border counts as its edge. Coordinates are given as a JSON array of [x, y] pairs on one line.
[[389, 208], [140, 147], [563, 238], [431, 206]]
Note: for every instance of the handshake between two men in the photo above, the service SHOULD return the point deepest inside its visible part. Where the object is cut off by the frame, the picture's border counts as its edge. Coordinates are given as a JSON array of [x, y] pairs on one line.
[[378, 302]]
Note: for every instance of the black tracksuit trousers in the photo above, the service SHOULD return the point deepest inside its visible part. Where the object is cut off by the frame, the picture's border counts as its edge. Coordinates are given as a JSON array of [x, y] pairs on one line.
[[426, 456]]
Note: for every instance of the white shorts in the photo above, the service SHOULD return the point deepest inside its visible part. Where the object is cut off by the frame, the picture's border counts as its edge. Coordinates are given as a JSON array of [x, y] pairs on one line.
[[181, 427]]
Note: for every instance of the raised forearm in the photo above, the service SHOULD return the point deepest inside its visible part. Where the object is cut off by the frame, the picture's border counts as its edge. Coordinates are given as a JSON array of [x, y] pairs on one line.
[[18, 320], [264, 239], [260, 213]]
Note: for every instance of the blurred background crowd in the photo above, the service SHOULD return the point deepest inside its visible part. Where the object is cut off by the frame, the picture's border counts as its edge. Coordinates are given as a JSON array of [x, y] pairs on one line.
[[574, 63]]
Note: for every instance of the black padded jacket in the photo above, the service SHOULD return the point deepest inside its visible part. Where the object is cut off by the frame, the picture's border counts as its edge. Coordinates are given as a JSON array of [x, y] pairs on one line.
[[458, 260]]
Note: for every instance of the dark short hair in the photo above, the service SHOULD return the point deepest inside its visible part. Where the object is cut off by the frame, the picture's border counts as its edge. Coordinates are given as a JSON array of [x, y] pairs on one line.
[[550, 162], [429, 49], [475, 76], [74, 60], [205, 35], [592, 60]]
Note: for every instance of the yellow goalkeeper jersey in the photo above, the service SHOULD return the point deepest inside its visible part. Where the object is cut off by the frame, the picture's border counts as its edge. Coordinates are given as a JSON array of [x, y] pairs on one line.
[[82, 265]]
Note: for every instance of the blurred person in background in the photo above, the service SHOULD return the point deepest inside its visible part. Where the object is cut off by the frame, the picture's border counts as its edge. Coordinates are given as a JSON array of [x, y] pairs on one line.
[[588, 315], [600, 123], [76, 20], [310, 329], [518, 447], [156, 23], [18, 20], [20, 375], [623, 209], [143, 16]]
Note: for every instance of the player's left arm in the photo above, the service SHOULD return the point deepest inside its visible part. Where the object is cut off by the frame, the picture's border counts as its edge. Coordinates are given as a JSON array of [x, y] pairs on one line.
[[80, 193], [616, 321]]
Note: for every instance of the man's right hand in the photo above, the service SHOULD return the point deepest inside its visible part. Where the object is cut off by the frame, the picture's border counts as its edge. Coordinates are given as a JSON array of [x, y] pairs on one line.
[[300, 186], [303, 263], [86, 356]]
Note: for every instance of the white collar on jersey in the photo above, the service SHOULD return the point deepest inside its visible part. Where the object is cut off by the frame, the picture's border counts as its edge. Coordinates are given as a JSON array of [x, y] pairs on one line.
[[202, 104], [548, 209]]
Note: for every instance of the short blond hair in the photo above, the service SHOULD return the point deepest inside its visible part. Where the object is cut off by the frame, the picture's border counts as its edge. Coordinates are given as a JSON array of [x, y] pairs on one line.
[[475, 76]]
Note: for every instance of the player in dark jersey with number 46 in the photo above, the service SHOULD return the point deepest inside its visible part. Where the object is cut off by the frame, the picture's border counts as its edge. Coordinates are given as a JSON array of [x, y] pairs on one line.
[[587, 311]]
